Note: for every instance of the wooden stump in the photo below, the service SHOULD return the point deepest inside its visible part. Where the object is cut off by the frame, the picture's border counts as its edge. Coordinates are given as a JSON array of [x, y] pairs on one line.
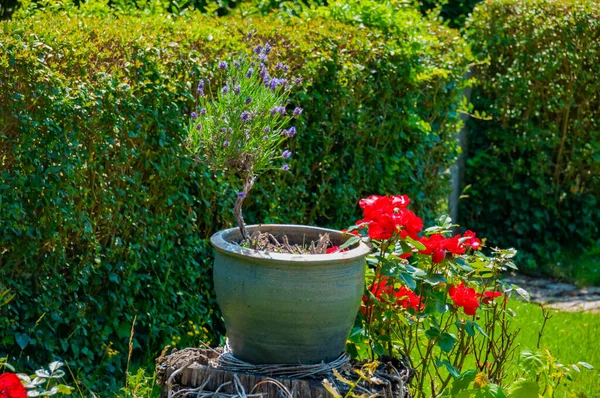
[[192, 373]]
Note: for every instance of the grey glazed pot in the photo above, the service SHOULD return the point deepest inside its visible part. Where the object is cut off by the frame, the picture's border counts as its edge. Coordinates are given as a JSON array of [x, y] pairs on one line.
[[285, 308]]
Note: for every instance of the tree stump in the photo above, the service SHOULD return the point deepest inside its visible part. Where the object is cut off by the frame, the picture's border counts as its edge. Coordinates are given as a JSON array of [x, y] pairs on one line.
[[194, 372]]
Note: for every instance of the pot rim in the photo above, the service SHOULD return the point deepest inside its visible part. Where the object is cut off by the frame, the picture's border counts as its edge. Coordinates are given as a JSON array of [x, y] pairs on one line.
[[220, 243]]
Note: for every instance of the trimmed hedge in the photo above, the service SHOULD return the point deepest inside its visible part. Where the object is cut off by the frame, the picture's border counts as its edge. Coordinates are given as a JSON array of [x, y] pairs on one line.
[[535, 167], [104, 213]]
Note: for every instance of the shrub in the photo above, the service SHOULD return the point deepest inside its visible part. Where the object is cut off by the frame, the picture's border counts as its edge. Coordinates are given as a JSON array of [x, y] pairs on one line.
[[535, 167], [104, 213]]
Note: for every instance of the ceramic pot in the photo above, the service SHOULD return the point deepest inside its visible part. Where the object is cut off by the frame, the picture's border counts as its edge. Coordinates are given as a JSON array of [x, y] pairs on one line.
[[287, 308]]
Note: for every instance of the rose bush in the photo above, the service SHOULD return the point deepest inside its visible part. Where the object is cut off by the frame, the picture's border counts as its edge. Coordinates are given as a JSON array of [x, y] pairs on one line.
[[434, 297]]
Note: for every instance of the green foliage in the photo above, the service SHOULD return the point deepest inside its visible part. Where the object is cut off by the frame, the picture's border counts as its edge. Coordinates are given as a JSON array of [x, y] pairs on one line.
[[534, 168], [103, 211]]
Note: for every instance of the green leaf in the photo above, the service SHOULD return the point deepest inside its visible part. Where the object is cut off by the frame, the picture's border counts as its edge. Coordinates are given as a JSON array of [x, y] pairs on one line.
[[523, 293], [576, 368], [491, 391], [451, 369], [418, 245], [378, 349], [432, 333], [462, 381], [470, 328], [435, 279], [407, 279], [22, 339], [479, 328], [532, 362], [524, 389], [350, 242], [442, 308], [586, 365], [64, 390], [446, 341]]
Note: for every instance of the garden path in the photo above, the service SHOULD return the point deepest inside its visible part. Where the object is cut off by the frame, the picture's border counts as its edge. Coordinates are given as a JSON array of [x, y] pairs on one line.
[[559, 295]]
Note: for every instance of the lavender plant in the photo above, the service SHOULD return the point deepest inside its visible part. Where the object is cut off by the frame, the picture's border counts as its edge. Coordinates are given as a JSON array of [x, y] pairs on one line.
[[238, 128]]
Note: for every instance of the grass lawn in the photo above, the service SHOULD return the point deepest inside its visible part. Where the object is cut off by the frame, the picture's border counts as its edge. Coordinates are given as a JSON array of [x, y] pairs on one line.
[[570, 337]]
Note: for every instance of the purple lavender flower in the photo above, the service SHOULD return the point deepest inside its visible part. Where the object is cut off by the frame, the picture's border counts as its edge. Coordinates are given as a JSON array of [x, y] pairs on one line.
[[241, 195], [236, 64], [266, 138], [249, 73], [285, 68], [284, 132], [267, 129], [225, 89], [245, 116], [200, 89], [258, 49], [202, 111], [198, 127], [267, 48], [266, 77], [279, 66], [263, 57], [274, 111], [225, 144], [286, 154], [297, 111], [285, 167], [223, 130], [194, 115], [222, 65], [281, 110], [273, 83], [248, 100], [291, 132], [237, 89], [298, 81]]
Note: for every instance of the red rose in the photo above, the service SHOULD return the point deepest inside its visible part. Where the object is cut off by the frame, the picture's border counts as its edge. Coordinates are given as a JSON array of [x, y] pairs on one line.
[[471, 240], [381, 287], [438, 256], [488, 297], [432, 243], [404, 297], [454, 245], [335, 249], [382, 228], [11, 386], [406, 255], [408, 223], [437, 245], [401, 201], [375, 207], [407, 298], [464, 297]]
